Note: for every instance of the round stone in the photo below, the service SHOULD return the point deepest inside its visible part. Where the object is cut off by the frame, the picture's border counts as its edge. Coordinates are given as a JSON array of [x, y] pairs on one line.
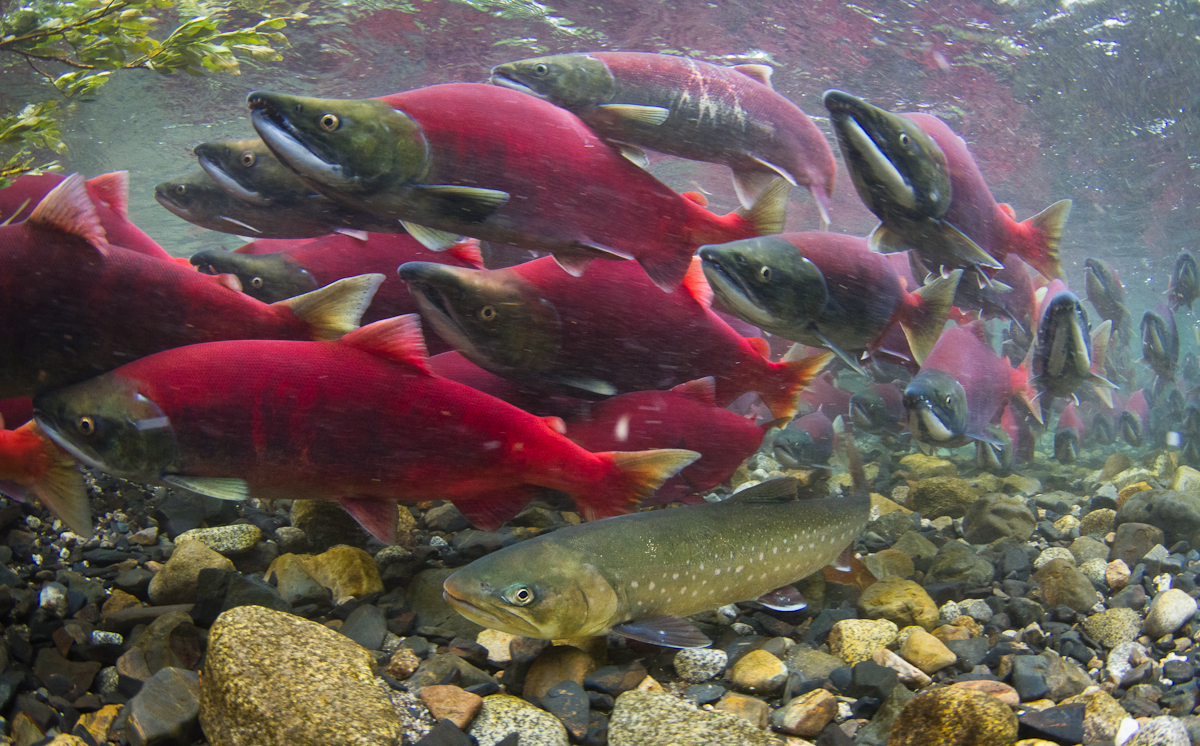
[[759, 672], [1169, 611], [697, 665], [225, 540]]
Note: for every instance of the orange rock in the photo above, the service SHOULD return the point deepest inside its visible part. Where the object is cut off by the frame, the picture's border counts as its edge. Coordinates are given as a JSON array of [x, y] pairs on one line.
[[1132, 489], [997, 689], [452, 702], [403, 663]]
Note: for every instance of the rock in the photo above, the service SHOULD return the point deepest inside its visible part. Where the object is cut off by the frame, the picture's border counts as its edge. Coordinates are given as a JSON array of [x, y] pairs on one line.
[[425, 597], [915, 545], [1122, 659], [909, 675], [697, 665], [1102, 715], [1048, 676], [502, 714], [226, 540], [568, 702], [813, 664], [1054, 553], [1169, 611], [875, 733], [403, 663], [751, 709], [1112, 627], [97, 723], [175, 583], [759, 672], [451, 703], [997, 689], [806, 715], [1021, 485], [952, 716], [326, 524], [165, 710], [926, 652], [957, 562], [616, 680], [273, 679], [901, 601], [555, 665], [1064, 724], [1098, 522], [366, 625], [1086, 548], [1176, 513], [1186, 479], [1161, 731], [996, 516], [921, 466], [943, 496], [855, 640], [1094, 570], [1132, 541], [657, 719], [1114, 465], [446, 668], [890, 563], [498, 645], [67, 679], [1116, 574], [446, 518], [1062, 584], [346, 571]]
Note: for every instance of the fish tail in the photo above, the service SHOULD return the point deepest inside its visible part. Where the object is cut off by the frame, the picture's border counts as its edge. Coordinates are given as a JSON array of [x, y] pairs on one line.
[[58, 484], [821, 196], [1041, 250], [792, 378], [634, 475], [769, 212], [335, 309], [926, 315]]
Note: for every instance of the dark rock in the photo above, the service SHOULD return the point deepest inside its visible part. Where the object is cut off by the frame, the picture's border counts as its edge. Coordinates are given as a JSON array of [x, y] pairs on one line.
[[1140, 708], [1061, 583], [597, 733], [569, 703], [470, 651], [472, 544], [1179, 671], [704, 694], [135, 582], [1129, 597], [1178, 701], [103, 557], [1024, 612], [1029, 677], [445, 733], [1132, 541], [605, 702], [1062, 724], [869, 679], [446, 518], [184, 511], [445, 668], [616, 680], [67, 679], [485, 689], [876, 732], [366, 626], [970, 652], [823, 623], [1177, 514], [958, 562], [166, 711], [996, 516]]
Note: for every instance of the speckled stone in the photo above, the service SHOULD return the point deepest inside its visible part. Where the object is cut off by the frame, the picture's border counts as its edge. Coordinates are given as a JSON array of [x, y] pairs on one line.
[[855, 640], [234, 539], [1098, 522], [697, 665], [274, 679], [175, 583], [1116, 574], [952, 716], [943, 496], [751, 709], [1061, 583], [1112, 627], [759, 672], [924, 467], [1094, 570], [1054, 553], [1085, 548], [1169, 611], [997, 689], [1161, 731], [497, 644], [658, 719], [901, 601], [502, 714], [1102, 715]]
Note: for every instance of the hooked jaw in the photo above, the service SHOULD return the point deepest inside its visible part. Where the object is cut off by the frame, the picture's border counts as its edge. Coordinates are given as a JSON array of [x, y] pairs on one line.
[[302, 154]]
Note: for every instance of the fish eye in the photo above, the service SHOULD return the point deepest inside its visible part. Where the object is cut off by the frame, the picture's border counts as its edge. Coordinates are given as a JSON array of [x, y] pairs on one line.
[[180, 189], [487, 313], [765, 273], [540, 69], [247, 159], [330, 122], [519, 595], [905, 140], [948, 400], [85, 425], [256, 283]]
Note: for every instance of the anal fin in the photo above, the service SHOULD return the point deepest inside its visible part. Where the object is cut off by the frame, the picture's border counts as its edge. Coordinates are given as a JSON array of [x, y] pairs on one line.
[[668, 631], [378, 515]]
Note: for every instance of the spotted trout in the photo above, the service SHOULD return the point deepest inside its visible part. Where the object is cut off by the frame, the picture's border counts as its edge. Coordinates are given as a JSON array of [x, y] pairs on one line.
[[639, 575]]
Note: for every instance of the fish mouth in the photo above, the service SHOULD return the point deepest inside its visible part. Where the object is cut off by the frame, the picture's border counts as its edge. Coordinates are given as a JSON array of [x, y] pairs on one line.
[[846, 113], [925, 425], [733, 291], [1066, 446], [499, 78], [308, 158], [229, 183], [1063, 340], [1130, 426], [84, 456], [436, 308], [490, 617]]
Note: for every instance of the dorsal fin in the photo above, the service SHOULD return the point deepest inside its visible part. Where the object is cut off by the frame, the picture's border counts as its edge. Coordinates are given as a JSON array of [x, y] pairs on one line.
[[779, 490], [703, 390], [1008, 210], [467, 252], [760, 345], [696, 284], [761, 73], [398, 338], [113, 190], [67, 208]]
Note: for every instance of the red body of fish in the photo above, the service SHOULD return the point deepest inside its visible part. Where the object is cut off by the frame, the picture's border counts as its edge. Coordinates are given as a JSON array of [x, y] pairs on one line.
[[1137, 405], [273, 245], [360, 420], [1069, 419], [457, 368], [76, 308], [109, 194], [823, 395], [567, 186], [987, 379], [975, 212], [688, 417]]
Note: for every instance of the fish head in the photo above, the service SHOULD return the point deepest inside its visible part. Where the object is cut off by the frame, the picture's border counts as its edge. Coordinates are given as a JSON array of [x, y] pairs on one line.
[[1100, 429], [1185, 280], [567, 80], [249, 171], [194, 197], [1129, 424], [265, 277], [356, 147], [1176, 404], [1066, 445], [766, 281], [897, 168], [541, 590], [107, 424], [795, 449], [1064, 345], [1191, 420], [493, 317], [1156, 340], [936, 404]]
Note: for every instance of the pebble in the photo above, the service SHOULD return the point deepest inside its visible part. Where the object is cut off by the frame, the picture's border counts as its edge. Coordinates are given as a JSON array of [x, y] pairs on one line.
[[751, 709], [943, 496], [1054, 553], [1113, 627], [926, 652], [1168, 612], [555, 665], [226, 540], [922, 466], [348, 572], [759, 672], [890, 563], [498, 645], [697, 665], [901, 601], [165, 710], [447, 702], [953, 716], [806, 715], [502, 714], [1099, 521], [997, 516], [1062, 584], [1116, 574], [909, 675], [1102, 716], [658, 719], [569, 703], [176, 582], [855, 640], [997, 689], [403, 663], [1132, 541]]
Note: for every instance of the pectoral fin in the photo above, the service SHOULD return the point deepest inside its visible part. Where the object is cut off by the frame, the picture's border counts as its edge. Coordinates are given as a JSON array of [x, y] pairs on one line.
[[464, 203], [222, 488], [431, 238], [668, 631], [839, 352], [653, 115]]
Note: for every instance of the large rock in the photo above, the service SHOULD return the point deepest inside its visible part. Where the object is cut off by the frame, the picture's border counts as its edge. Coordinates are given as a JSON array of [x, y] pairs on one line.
[[425, 597], [856, 640], [939, 496], [997, 516], [227, 540], [926, 652], [1176, 513], [1061, 584], [902, 601], [957, 562], [502, 714], [345, 571], [921, 466], [952, 716], [273, 679], [1112, 627], [658, 719], [175, 583], [1169, 611], [1102, 715], [165, 709], [1133, 540]]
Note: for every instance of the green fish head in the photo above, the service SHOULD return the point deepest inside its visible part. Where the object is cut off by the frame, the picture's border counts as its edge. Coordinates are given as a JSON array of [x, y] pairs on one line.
[[265, 277], [937, 408], [897, 168], [249, 171], [767, 282], [355, 147], [193, 196], [551, 594], [491, 316], [107, 424], [568, 80]]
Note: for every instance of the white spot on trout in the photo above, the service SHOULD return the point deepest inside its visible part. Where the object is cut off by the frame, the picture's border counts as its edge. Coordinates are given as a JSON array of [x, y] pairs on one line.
[[634, 584], [718, 572], [651, 585], [491, 445], [761, 556], [740, 568], [675, 576]]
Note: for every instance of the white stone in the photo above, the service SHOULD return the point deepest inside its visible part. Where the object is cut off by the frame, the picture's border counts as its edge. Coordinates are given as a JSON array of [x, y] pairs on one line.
[[1169, 611], [976, 608], [1053, 553], [697, 665], [948, 613]]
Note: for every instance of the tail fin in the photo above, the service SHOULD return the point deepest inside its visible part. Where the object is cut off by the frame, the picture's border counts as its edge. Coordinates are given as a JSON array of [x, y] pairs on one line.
[[636, 475], [1048, 227], [769, 212], [792, 377], [925, 319], [336, 308], [60, 486]]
